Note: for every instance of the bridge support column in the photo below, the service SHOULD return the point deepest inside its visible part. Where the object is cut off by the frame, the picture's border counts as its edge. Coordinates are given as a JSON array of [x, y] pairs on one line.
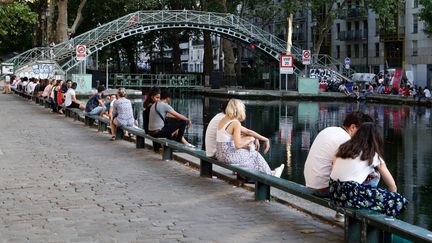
[[262, 191], [140, 142], [206, 169]]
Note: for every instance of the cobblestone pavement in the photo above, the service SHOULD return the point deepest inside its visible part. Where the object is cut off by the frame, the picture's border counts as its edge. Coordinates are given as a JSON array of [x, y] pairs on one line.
[[63, 182]]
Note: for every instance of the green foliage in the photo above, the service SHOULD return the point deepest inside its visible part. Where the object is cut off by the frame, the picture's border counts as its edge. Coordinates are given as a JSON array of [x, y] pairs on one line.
[[16, 27], [388, 12], [426, 15]]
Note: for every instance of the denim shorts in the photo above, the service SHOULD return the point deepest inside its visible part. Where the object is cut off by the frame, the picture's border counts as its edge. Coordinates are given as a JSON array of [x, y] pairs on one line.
[[96, 111]]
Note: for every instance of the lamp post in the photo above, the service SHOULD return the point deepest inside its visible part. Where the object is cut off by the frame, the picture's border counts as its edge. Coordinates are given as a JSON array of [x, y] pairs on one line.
[[107, 76]]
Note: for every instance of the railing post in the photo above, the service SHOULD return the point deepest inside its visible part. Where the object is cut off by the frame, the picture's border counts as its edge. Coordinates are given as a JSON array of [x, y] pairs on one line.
[[140, 142], [374, 234], [353, 229], [206, 168], [262, 191], [88, 121], [119, 133], [167, 153], [102, 126]]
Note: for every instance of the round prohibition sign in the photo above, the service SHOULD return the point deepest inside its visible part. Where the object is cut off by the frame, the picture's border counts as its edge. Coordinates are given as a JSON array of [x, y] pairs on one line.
[[81, 49], [306, 55]]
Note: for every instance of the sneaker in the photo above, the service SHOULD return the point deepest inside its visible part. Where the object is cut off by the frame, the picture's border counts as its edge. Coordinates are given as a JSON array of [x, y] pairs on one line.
[[339, 217], [278, 171], [190, 145]]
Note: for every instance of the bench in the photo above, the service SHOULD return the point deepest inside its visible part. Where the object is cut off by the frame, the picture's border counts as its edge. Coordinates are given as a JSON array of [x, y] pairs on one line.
[[361, 225]]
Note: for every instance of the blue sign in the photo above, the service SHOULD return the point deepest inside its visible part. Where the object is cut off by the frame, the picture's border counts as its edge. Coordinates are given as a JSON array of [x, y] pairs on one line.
[[347, 61]]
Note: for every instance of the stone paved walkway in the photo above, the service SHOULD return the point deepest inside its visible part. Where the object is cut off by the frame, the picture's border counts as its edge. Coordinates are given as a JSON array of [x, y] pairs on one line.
[[63, 182]]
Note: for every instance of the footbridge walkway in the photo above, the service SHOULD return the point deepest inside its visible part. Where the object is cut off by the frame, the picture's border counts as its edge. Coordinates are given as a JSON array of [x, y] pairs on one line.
[[62, 181]]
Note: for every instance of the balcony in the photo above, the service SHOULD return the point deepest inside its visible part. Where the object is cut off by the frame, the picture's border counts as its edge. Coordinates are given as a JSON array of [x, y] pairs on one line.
[[353, 13], [353, 35]]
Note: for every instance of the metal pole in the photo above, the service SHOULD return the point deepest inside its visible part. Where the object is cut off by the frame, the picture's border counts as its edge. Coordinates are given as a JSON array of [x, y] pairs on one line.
[[106, 77], [286, 82], [97, 60]]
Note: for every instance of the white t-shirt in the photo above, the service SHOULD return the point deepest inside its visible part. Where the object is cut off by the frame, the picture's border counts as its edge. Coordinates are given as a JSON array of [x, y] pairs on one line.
[[353, 169], [427, 93], [210, 135], [321, 155], [68, 99]]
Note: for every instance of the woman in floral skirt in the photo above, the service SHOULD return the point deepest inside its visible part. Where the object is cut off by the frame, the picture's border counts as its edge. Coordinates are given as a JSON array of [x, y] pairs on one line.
[[355, 161]]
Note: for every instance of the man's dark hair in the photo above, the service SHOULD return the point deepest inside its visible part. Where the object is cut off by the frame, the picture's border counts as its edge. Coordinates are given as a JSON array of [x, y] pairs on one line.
[[224, 106], [165, 94], [100, 88], [357, 118], [74, 85]]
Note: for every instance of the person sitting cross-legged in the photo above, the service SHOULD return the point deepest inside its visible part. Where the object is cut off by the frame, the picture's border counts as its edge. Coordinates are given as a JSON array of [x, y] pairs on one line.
[[122, 113], [96, 105], [165, 122]]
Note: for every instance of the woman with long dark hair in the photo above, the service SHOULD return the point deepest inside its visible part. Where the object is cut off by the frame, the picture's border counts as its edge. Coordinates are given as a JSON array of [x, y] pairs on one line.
[[355, 161]]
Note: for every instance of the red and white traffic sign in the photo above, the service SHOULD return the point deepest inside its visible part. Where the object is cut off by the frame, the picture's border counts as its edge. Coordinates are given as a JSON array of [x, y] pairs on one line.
[[306, 57], [286, 64], [81, 52]]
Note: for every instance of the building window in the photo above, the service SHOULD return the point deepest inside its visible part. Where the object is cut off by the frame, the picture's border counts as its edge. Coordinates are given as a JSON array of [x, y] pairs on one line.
[[415, 23], [365, 50], [414, 48], [338, 30], [356, 50], [337, 51], [377, 50], [348, 51], [415, 4]]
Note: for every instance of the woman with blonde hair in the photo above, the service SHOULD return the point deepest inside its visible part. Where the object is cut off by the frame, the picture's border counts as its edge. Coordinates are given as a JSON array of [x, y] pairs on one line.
[[233, 148]]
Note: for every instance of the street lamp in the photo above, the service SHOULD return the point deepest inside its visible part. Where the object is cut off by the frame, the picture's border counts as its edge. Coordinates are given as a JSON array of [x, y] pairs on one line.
[[107, 63]]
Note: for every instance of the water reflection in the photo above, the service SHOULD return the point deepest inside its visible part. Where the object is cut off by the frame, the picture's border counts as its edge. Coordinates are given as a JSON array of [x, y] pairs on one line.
[[292, 127]]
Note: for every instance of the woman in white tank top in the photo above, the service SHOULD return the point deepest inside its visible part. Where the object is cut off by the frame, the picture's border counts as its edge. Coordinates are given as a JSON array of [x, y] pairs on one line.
[[233, 148]]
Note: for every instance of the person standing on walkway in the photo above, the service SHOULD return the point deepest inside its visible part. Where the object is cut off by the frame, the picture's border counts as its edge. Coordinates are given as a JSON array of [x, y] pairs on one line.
[[231, 145], [355, 160], [70, 97], [322, 153], [95, 105], [165, 122], [122, 113]]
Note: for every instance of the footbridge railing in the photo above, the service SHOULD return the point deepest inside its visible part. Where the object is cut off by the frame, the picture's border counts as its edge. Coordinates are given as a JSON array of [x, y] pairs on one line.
[[142, 22], [160, 80]]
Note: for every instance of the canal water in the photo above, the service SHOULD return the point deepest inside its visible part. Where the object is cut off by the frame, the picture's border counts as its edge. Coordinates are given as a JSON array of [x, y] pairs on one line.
[[292, 126]]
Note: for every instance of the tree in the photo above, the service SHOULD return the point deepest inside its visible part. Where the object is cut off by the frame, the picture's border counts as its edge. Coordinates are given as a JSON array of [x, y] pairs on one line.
[[426, 15], [62, 26], [17, 21]]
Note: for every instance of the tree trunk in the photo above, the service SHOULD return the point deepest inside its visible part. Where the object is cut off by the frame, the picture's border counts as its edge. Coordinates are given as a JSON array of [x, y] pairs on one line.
[[289, 33], [239, 60], [62, 25], [176, 52], [208, 54], [229, 69]]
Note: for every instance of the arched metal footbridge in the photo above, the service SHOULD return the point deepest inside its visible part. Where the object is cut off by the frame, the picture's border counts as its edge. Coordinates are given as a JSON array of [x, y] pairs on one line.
[[142, 22]]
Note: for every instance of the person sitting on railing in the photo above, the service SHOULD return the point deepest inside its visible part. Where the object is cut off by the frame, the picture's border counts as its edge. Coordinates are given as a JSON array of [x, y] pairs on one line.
[[165, 122], [122, 113], [356, 160], [70, 97], [233, 148], [95, 105], [152, 97], [7, 87], [47, 89]]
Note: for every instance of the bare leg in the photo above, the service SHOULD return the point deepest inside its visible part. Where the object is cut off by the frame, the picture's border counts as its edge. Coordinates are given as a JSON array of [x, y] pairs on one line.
[[113, 129]]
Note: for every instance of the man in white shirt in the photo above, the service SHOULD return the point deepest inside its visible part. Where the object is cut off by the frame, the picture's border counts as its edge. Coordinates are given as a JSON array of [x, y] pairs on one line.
[[70, 98], [322, 153], [427, 93]]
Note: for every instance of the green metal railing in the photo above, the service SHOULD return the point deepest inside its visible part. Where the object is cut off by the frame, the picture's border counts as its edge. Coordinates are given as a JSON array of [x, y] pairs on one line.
[[160, 80]]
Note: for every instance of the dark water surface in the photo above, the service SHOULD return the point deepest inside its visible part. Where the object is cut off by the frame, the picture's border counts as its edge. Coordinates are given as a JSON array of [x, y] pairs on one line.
[[292, 126]]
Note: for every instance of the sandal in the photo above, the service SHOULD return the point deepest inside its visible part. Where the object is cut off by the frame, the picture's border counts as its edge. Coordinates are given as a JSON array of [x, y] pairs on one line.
[[113, 138]]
